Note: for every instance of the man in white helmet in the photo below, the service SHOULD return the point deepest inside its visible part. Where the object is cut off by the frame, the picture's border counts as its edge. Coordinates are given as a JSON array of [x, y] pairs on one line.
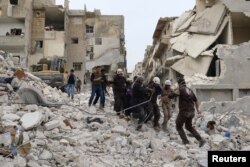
[[139, 95], [119, 89], [166, 103], [157, 90]]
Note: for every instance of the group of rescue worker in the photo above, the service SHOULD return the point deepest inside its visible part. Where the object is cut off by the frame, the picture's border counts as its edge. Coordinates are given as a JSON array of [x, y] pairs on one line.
[[140, 101]]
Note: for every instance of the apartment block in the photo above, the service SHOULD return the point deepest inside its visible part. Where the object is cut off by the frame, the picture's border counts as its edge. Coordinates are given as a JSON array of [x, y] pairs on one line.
[[32, 30]]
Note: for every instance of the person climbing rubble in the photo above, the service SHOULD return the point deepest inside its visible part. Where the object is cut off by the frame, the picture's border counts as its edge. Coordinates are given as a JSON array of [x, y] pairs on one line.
[[157, 90], [119, 88], [71, 84], [166, 103], [139, 92], [104, 88], [188, 103], [97, 80]]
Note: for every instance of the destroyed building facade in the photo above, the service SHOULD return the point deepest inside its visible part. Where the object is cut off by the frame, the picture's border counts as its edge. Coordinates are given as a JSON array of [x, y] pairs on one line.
[[138, 71], [209, 46], [34, 29]]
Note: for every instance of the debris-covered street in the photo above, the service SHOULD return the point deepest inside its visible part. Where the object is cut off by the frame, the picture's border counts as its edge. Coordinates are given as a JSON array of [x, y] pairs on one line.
[[69, 97], [70, 133]]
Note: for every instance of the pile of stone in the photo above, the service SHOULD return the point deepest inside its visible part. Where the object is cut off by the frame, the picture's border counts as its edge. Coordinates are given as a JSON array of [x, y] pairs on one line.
[[31, 88], [74, 135]]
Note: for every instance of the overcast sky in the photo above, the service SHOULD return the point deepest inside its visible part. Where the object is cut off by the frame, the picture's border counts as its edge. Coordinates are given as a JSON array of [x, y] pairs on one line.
[[141, 17]]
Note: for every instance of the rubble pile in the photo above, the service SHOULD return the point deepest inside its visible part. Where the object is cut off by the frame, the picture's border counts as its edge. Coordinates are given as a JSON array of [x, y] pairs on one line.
[[197, 79], [47, 94], [73, 136], [76, 135]]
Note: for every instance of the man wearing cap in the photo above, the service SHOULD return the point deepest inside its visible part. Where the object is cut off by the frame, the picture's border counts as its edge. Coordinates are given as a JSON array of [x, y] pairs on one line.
[[188, 103], [166, 103]]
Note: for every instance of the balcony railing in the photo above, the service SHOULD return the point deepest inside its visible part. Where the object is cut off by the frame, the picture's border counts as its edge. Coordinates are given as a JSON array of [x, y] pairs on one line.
[[7, 42]]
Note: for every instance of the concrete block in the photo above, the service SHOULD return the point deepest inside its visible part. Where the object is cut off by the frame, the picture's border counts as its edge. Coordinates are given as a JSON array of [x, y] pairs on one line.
[[52, 124]]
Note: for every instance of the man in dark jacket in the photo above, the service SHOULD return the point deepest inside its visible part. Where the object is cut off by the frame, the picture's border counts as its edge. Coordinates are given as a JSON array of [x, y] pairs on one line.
[[71, 84], [157, 90], [139, 92], [96, 81], [187, 105], [104, 87], [119, 89]]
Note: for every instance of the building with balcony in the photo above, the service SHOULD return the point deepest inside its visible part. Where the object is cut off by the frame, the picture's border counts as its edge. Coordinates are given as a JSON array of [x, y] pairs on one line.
[[95, 40], [35, 29]]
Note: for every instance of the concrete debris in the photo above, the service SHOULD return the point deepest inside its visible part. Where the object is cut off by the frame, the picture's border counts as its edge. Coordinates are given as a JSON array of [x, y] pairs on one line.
[[52, 124], [156, 144], [120, 129], [11, 117], [31, 120], [24, 149], [75, 135]]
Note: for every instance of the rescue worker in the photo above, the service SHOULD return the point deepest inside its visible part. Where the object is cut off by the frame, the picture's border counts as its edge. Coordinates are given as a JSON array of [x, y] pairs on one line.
[[166, 103], [119, 89], [187, 105], [157, 90], [139, 92], [128, 100], [71, 84], [97, 80]]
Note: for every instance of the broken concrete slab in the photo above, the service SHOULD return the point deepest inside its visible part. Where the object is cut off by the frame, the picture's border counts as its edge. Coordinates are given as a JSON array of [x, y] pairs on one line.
[[156, 144], [186, 25], [218, 142], [11, 117], [182, 19], [33, 163], [209, 21], [120, 129], [31, 95], [195, 44], [237, 6], [52, 124], [46, 155], [64, 141], [31, 120], [190, 66]]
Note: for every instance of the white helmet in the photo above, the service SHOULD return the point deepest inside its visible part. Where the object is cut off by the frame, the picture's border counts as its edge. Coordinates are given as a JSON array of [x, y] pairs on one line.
[[119, 71], [157, 80], [168, 82]]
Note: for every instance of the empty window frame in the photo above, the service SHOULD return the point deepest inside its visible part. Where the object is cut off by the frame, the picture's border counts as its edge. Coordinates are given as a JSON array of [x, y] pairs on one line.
[[16, 31], [14, 2], [74, 40], [39, 44], [98, 41], [89, 29], [77, 66]]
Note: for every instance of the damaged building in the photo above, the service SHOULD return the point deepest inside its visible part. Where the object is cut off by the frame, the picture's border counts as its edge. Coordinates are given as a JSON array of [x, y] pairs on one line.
[[94, 40], [32, 30], [209, 46], [138, 71]]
